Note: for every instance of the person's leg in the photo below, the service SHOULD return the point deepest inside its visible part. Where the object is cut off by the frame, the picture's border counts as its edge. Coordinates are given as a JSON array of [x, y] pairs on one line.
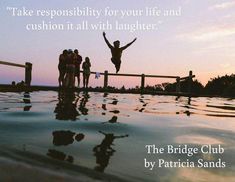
[[73, 80], [117, 66], [78, 77], [60, 78], [84, 80], [69, 80], [66, 79], [87, 81]]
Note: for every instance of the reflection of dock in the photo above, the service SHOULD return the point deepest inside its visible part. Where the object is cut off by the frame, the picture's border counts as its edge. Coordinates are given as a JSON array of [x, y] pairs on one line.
[[105, 88]]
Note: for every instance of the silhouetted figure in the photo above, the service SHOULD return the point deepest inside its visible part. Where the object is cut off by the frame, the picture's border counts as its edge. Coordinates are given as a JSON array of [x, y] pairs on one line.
[[86, 72], [78, 61], [66, 108], [116, 51], [62, 67], [69, 80], [104, 151]]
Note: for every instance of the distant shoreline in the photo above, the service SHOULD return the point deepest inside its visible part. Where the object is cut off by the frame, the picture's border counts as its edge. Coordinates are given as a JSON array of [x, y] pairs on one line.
[[10, 88]]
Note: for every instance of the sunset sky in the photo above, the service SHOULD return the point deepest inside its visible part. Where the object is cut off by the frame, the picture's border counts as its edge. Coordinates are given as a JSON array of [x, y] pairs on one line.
[[202, 39]]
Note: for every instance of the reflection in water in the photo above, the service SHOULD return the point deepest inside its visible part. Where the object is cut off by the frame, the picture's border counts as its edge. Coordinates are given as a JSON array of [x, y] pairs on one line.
[[115, 101], [66, 137], [161, 125], [63, 138], [27, 101], [104, 107], [82, 107], [143, 104], [104, 151], [59, 155], [105, 94], [189, 101], [112, 120], [226, 107], [66, 107], [115, 111]]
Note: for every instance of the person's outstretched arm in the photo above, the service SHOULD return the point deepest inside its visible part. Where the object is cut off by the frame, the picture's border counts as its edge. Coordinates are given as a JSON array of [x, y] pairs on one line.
[[126, 46], [106, 40]]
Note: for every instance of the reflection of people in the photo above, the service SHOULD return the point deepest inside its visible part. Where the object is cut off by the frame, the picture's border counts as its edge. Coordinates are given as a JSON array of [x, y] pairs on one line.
[[78, 61], [116, 51], [66, 137], [104, 151], [66, 107], [86, 72], [82, 107]]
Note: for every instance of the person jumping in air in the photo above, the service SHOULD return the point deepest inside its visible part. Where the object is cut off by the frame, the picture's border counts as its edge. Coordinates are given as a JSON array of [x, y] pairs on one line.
[[116, 51]]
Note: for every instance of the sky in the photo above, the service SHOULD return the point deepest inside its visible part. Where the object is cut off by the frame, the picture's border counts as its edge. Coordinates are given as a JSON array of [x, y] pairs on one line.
[[201, 39]]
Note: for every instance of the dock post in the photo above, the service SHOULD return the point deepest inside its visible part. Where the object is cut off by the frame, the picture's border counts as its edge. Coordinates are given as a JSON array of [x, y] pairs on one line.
[[142, 82], [178, 85], [190, 81], [105, 79], [28, 73]]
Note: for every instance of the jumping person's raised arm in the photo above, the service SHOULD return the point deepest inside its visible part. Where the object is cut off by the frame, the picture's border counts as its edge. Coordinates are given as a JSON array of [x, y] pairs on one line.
[[106, 40], [126, 46]]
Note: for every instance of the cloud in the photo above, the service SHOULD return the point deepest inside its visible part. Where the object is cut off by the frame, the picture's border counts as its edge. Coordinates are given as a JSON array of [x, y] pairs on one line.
[[221, 6], [225, 65], [209, 33]]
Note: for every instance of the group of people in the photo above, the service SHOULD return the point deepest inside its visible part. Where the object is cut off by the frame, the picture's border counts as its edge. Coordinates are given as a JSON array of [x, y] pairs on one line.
[[69, 69], [70, 61]]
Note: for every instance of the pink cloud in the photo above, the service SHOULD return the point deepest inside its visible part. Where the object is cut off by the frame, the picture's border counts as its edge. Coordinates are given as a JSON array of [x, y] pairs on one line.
[[221, 6]]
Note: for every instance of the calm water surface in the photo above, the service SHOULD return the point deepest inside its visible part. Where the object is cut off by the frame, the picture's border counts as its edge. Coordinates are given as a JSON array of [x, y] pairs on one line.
[[108, 132]]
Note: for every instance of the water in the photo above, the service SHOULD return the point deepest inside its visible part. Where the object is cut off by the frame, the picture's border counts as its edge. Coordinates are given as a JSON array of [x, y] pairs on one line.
[[108, 132]]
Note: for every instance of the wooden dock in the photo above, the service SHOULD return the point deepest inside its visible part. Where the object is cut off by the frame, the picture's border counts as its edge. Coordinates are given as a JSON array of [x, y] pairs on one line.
[[28, 77]]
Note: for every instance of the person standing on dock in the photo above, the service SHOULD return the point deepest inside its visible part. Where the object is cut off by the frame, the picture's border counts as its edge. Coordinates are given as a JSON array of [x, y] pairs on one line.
[[62, 67], [69, 80], [86, 72], [116, 51], [78, 61]]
